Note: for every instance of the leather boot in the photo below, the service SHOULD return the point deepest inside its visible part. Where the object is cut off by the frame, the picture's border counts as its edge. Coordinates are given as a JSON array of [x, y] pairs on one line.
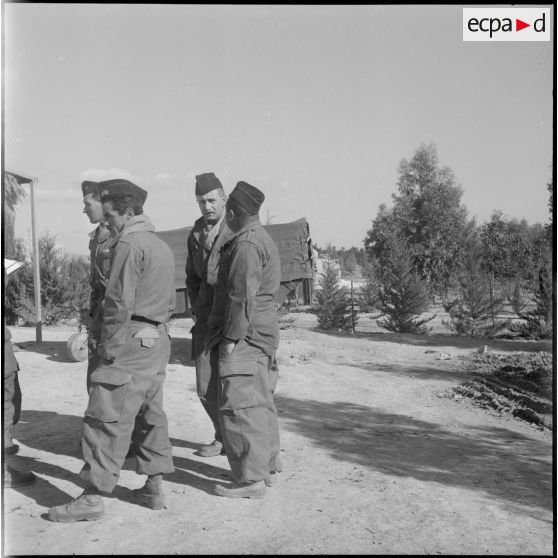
[[212, 450], [242, 490], [151, 494], [87, 507]]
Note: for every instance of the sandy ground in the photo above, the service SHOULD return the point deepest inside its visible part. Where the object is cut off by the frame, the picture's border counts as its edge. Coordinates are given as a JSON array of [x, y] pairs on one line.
[[375, 460]]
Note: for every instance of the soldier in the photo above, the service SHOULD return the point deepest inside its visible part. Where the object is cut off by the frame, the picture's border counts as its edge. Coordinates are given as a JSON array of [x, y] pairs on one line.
[[99, 251], [11, 409], [207, 237], [243, 323], [134, 351]]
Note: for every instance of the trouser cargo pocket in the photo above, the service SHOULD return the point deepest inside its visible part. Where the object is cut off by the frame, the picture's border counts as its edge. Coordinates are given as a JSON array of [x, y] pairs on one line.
[[109, 387], [238, 389]]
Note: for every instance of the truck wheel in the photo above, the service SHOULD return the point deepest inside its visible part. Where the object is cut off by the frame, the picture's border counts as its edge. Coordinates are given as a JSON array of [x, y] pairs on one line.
[[76, 347]]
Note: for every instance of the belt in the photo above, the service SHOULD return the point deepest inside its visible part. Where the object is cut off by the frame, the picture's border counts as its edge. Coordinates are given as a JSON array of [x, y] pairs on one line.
[[146, 320]]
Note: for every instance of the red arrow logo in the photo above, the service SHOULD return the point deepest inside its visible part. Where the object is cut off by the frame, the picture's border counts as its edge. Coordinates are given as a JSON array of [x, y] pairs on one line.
[[519, 25]]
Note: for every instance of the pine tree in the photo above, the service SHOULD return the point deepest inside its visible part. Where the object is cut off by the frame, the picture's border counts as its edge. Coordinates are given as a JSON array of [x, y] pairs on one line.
[[403, 296], [369, 292], [333, 303], [472, 312]]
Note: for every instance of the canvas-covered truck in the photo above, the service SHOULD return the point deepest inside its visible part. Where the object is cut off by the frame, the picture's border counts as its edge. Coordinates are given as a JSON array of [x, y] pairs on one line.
[[297, 272]]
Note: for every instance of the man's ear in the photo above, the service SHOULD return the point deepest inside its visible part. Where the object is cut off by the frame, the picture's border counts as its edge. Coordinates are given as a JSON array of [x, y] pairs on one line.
[[130, 212]]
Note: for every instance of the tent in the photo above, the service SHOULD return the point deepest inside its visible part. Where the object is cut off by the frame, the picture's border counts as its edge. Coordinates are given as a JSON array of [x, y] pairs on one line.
[[294, 245]]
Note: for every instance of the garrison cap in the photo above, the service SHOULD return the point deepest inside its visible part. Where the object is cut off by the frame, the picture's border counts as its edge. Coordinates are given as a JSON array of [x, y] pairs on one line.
[[207, 182], [89, 187], [248, 196], [121, 187]]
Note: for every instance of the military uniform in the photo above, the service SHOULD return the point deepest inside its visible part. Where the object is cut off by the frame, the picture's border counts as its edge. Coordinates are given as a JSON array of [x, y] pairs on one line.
[[202, 267], [244, 311], [99, 251], [135, 349], [11, 389]]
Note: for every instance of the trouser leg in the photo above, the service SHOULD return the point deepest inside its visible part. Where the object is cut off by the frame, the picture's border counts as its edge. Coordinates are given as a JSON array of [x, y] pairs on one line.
[[93, 361], [151, 435], [207, 381], [246, 414], [12, 406], [273, 376], [115, 400]]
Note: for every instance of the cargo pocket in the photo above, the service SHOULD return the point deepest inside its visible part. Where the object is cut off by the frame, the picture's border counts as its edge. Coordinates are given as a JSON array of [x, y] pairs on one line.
[[109, 387], [238, 390], [147, 337]]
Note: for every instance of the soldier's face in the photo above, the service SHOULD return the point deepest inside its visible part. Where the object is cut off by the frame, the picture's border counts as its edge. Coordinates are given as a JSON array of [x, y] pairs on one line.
[[212, 205], [93, 208], [114, 220]]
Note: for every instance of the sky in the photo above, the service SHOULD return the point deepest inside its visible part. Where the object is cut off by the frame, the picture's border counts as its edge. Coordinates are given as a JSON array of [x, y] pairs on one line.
[[314, 105]]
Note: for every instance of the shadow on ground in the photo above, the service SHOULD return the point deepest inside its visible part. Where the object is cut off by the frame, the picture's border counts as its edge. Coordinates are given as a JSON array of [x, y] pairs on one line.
[[506, 465], [60, 434], [444, 340]]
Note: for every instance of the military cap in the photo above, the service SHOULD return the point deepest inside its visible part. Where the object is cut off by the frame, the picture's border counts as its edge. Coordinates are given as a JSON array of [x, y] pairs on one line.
[[248, 196], [89, 187], [207, 182], [121, 187]]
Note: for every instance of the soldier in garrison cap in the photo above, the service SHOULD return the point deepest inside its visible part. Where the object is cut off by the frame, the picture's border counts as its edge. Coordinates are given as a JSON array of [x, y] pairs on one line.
[[134, 351], [206, 238], [243, 325], [99, 252]]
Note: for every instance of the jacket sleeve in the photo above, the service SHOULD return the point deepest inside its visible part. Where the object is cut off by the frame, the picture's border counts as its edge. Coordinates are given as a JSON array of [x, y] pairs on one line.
[[193, 281], [245, 273], [120, 299]]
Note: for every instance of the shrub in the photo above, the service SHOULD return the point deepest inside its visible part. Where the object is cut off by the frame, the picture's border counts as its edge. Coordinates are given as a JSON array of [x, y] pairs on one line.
[[333, 303], [64, 285], [472, 312], [403, 296], [369, 295], [537, 323]]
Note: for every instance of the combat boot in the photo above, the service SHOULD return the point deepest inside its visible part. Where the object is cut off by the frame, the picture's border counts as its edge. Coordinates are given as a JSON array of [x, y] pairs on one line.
[[242, 490], [212, 450], [87, 507], [151, 494], [272, 480]]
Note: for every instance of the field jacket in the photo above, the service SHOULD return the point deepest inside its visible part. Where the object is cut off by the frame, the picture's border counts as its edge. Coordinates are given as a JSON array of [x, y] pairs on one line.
[[99, 252], [202, 265], [141, 283], [249, 277]]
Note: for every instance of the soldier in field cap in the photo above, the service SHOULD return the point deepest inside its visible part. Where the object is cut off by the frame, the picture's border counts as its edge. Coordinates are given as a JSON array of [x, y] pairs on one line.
[[207, 237], [126, 394], [243, 325], [99, 252]]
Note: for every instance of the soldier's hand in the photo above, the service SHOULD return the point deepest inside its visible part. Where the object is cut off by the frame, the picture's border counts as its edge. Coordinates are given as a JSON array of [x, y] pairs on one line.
[[228, 346], [92, 343]]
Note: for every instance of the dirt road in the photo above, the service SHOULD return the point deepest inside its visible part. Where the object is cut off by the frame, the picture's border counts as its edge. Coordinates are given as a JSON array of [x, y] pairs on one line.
[[376, 461]]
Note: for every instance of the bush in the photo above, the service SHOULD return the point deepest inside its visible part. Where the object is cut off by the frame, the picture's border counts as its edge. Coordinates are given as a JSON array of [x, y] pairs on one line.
[[537, 323], [369, 295], [472, 312], [333, 303], [403, 296], [64, 285]]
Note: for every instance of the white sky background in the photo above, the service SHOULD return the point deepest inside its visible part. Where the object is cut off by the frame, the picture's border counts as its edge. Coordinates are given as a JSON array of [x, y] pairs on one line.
[[315, 105]]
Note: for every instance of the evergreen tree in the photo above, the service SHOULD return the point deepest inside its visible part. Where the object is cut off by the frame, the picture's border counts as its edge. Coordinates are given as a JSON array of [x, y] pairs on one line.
[[472, 312], [333, 303], [369, 296], [403, 296]]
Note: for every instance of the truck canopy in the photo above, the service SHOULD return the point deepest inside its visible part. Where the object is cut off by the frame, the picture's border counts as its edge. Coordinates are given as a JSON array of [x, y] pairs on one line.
[[292, 240]]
